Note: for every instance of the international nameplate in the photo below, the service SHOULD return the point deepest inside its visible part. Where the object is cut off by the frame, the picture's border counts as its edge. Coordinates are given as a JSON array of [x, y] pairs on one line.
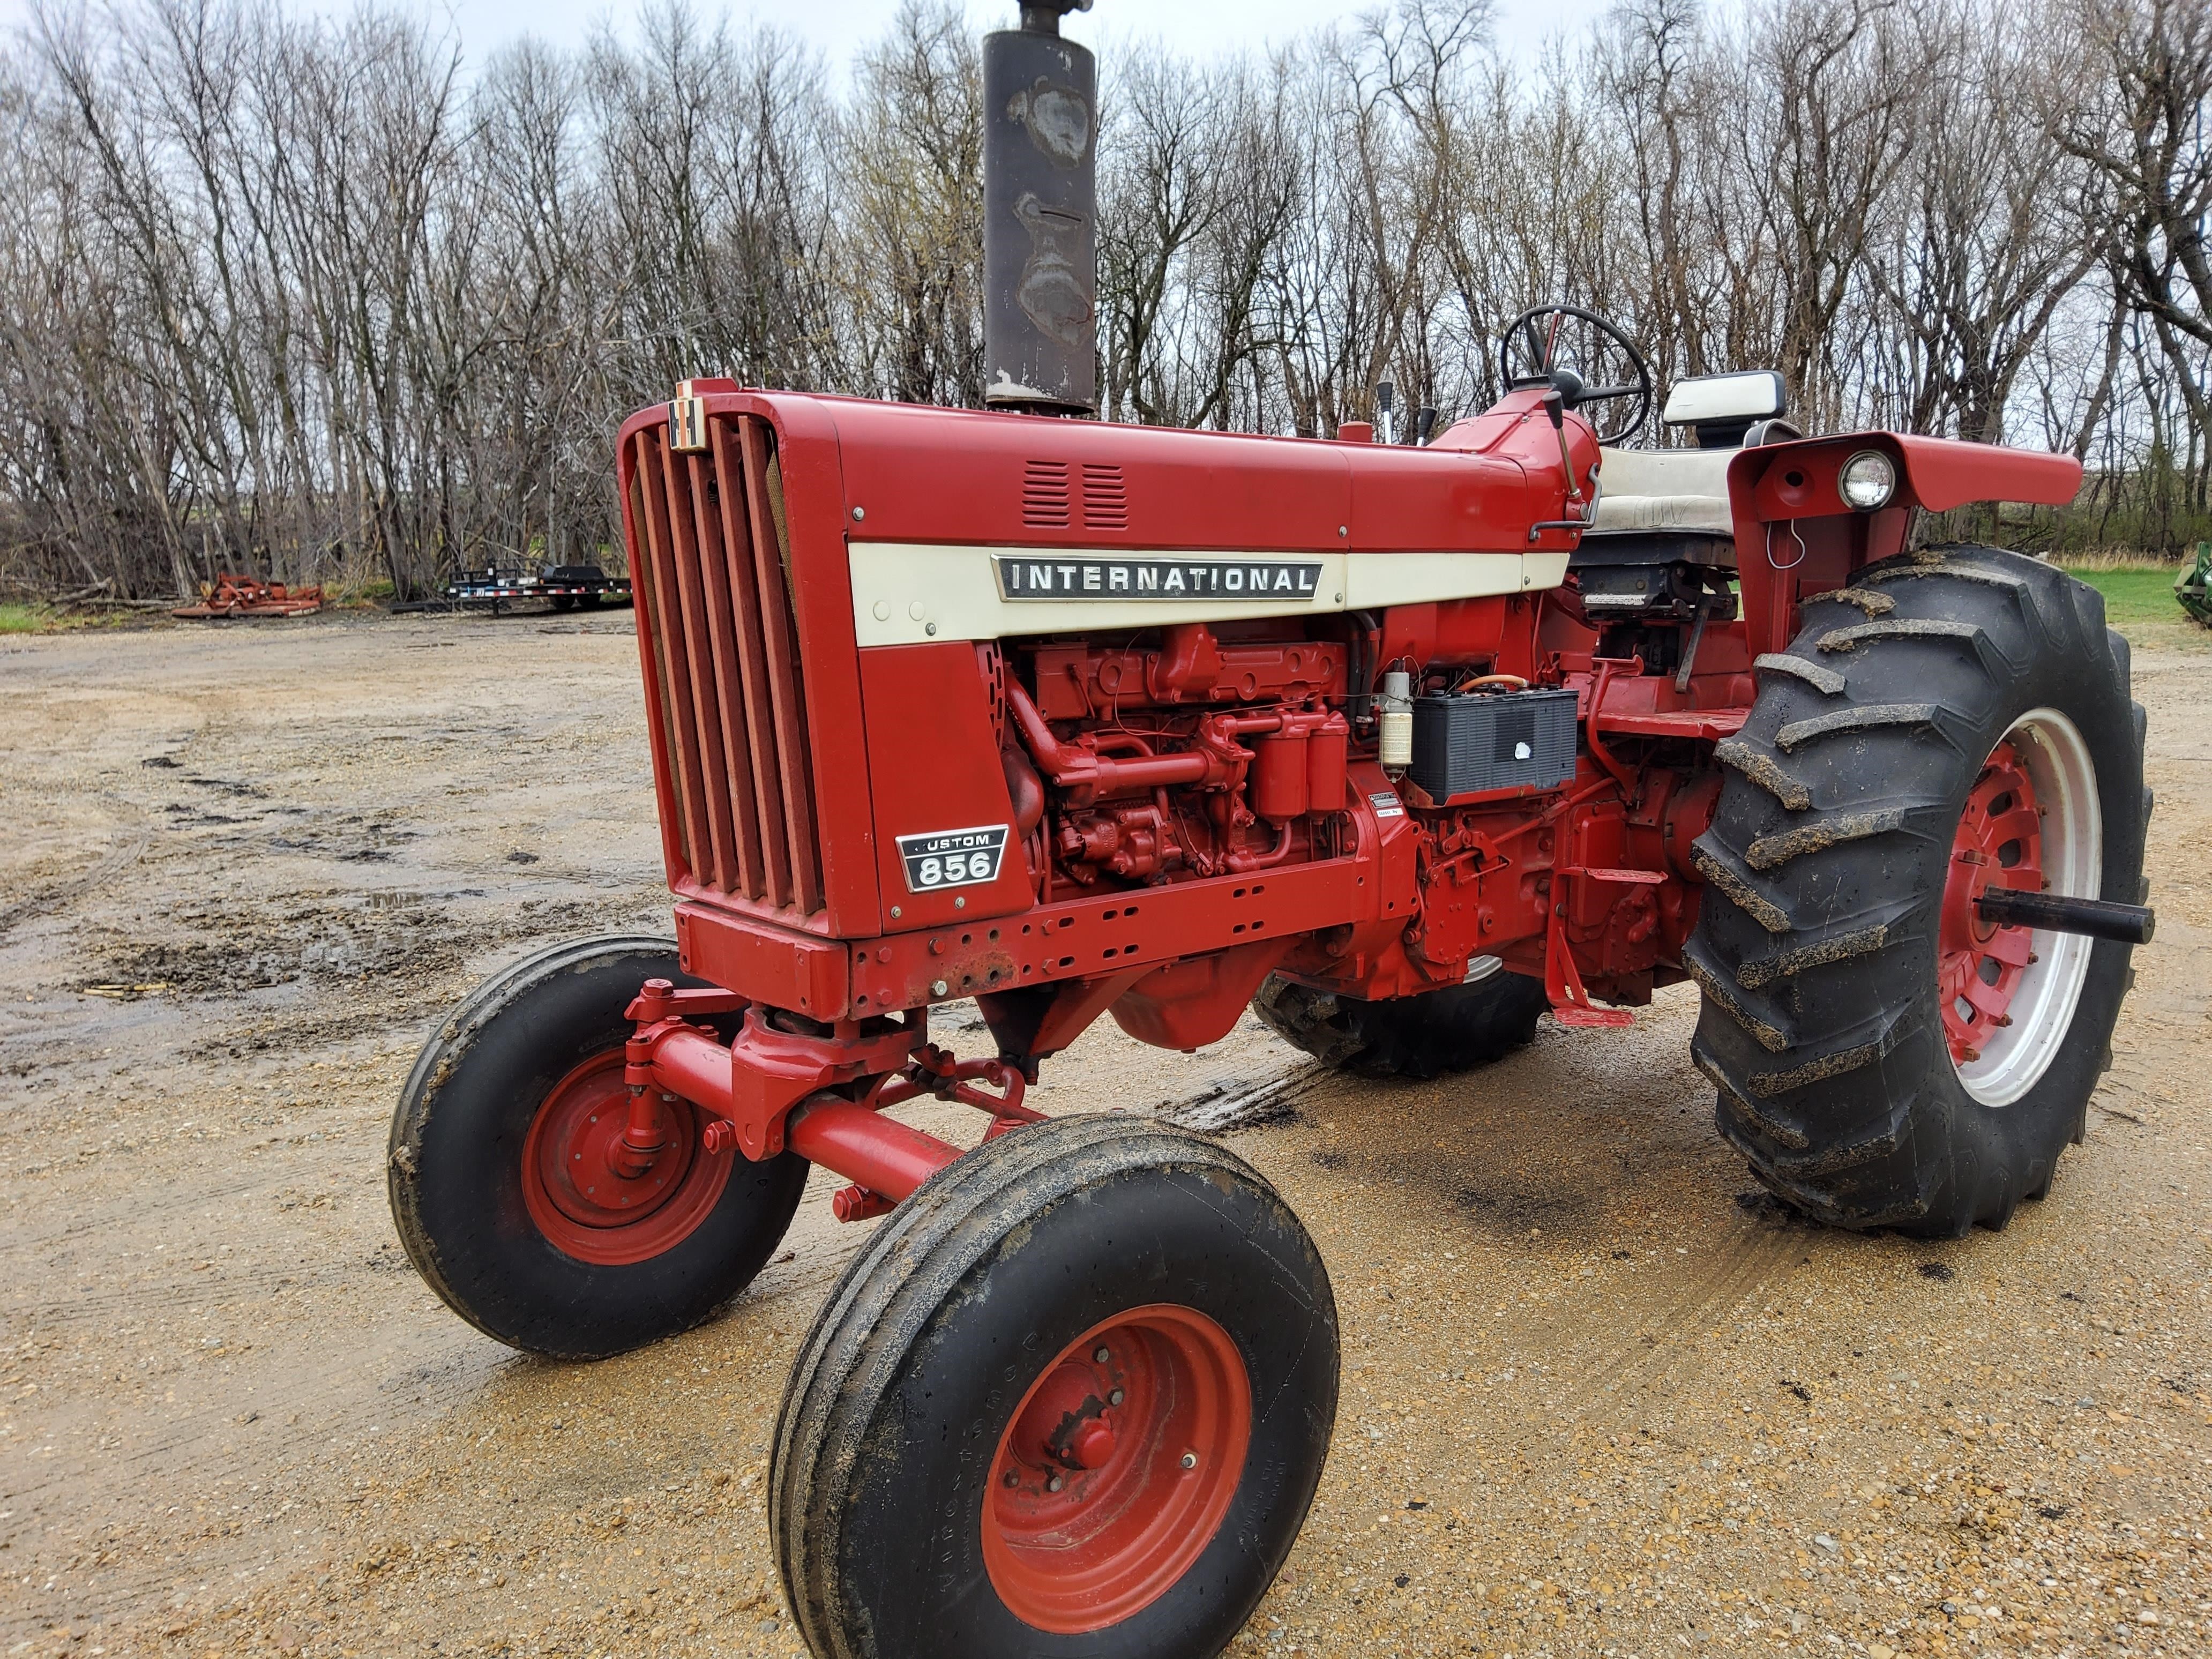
[[1289, 580]]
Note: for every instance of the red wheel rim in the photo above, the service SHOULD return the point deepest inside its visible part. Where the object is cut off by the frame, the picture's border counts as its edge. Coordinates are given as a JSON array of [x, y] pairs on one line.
[[1114, 1473], [587, 1201], [1980, 964]]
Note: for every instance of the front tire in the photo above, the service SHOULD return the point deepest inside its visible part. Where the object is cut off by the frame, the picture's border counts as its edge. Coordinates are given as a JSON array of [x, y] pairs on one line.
[[1073, 1397], [1883, 1058], [500, 1184]]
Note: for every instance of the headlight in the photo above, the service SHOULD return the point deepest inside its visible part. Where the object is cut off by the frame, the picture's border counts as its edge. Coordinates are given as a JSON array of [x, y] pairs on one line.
[[1868, 480]]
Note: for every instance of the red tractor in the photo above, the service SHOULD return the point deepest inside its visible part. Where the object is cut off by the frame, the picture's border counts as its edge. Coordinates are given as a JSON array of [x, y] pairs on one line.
[[1410, 746]]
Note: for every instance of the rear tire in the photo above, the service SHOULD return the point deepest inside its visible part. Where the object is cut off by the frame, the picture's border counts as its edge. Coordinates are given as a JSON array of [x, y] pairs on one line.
[[1455, 1028], [1883, 1057], [917, 1503], [519, 1081]]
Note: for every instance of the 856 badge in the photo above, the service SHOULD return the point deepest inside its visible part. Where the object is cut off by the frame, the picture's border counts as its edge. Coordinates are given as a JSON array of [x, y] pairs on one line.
[[952, 858]]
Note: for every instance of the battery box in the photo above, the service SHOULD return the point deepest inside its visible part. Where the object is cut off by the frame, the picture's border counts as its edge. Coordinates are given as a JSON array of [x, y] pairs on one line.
[[1476, 742]]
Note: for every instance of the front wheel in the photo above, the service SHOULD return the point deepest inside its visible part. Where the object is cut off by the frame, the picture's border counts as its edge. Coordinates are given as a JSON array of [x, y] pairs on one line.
[[1886, 1057], [1073, 1399], [508, 1184]]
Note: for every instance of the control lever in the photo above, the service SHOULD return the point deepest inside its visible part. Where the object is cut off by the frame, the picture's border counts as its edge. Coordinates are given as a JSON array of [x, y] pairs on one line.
[[1555, 411]]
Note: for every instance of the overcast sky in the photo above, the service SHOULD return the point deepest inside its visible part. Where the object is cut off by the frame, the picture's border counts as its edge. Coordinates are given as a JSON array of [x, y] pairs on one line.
[[839, 26]]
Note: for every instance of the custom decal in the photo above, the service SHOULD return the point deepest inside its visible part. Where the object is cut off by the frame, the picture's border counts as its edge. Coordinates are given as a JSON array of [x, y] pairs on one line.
[[952, 858], [1294, 581]]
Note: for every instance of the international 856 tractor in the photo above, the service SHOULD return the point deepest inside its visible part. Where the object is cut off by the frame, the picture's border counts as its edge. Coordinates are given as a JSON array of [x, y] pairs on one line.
[[1409, 745]]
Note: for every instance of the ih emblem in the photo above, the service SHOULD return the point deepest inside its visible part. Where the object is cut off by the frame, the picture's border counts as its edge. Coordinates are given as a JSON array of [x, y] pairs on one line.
[[687, 421], [952, 858]]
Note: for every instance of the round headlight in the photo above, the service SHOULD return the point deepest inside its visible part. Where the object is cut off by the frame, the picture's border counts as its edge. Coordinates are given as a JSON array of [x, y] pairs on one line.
[[1868, 480]]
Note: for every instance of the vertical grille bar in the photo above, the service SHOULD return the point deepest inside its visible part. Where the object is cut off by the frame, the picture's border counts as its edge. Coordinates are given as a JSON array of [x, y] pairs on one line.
[[706, 723], [659, 704], [782, 630], [729, 648], [743, 558], [665, 612]]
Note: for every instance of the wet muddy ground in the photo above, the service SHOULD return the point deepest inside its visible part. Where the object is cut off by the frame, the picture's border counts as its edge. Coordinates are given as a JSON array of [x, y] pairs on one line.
[[1597, 1398]]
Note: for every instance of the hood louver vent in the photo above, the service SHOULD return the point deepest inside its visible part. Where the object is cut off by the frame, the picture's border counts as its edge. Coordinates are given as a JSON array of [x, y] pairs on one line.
[[1045, 495], [1105, 498]]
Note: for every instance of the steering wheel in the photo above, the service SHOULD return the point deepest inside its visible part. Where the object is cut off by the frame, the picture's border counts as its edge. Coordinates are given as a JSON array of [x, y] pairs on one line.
[[1582, 356]]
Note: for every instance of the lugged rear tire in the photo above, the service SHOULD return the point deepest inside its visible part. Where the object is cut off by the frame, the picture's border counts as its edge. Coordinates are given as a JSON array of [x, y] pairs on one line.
[[1820, 932], [1454, 1028]]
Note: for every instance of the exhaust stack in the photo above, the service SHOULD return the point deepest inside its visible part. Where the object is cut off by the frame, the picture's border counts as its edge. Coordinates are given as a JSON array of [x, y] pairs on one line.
[[1040, 217]]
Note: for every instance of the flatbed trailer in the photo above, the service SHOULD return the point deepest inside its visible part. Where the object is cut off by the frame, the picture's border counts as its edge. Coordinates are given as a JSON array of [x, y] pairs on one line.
[[565, 587]]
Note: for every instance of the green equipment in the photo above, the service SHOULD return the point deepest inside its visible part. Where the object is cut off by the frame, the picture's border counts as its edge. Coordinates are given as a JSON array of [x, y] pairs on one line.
[[2192, 588]]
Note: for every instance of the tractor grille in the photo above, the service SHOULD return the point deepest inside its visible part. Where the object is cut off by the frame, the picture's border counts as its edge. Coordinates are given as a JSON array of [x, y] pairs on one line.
[[711, 565]]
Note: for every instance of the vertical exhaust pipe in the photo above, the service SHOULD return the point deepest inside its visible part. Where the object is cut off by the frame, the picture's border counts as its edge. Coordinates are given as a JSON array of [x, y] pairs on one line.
[[1040, 217]]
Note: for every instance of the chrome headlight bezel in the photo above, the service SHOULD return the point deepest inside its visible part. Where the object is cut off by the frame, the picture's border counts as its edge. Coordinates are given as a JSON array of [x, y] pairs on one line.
[[1876, 481]]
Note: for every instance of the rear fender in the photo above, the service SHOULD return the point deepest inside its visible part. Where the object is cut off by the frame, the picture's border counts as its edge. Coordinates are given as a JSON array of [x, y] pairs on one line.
[[1796, 535]]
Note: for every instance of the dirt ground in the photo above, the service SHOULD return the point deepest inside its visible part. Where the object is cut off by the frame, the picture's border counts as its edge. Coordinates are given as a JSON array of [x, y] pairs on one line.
[[1597, 1400]]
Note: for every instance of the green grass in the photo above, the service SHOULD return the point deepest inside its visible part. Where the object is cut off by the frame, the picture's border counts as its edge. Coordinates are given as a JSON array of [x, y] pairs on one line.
[[2139, 602], [27, 618], [31, 616]]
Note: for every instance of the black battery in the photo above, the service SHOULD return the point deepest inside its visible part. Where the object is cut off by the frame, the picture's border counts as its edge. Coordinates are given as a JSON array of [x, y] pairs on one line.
[[1477, 742]]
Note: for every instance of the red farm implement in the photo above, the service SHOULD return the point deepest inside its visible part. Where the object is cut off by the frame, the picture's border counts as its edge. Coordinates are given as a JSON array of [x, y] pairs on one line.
[[229, 595], [1406, 746]]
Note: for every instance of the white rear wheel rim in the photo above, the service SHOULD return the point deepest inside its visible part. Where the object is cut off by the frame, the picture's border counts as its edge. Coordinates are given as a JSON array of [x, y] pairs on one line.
[[2013, 1058]]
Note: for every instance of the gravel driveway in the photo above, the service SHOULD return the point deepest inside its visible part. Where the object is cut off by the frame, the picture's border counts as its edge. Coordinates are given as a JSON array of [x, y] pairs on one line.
[[1599, 1397]]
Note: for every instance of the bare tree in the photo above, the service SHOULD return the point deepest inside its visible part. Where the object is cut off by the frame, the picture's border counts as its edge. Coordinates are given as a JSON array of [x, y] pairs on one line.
[[312, 298], [911, 249], [2140, 124]]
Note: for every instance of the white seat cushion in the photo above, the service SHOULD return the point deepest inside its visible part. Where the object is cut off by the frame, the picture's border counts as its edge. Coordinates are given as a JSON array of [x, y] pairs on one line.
[[1664, 490]]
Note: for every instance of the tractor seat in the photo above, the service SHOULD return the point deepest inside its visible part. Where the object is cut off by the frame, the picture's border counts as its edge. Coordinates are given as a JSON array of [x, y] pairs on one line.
[[1678, 489], [1686, 490]]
